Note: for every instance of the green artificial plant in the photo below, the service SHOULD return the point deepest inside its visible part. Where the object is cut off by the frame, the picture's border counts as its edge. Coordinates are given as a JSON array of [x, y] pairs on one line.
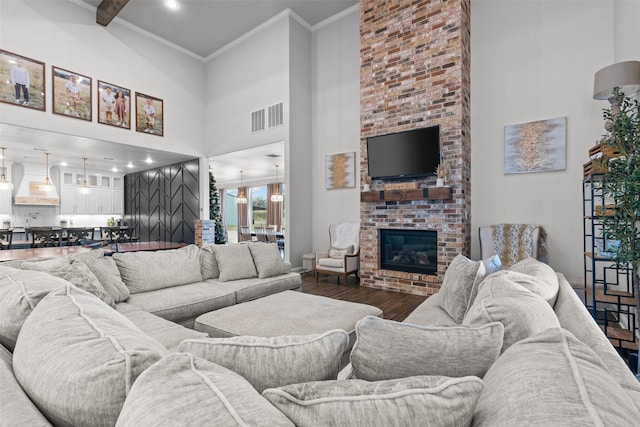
[[621, 185], [214, 210]]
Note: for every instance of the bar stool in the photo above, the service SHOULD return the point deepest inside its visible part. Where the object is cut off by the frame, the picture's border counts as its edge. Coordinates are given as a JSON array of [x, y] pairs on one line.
[[6, 236]]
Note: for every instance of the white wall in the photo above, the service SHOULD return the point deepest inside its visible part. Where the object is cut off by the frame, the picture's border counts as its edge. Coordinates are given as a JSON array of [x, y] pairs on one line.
[[336, 121], [533, 60], [65, 35]]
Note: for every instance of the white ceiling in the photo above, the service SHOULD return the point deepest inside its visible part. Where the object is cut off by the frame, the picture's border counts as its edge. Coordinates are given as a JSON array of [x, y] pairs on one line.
[[205, 26], [258, 165]]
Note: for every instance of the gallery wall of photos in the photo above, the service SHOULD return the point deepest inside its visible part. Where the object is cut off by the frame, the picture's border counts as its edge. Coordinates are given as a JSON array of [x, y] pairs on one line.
[[24, 84]]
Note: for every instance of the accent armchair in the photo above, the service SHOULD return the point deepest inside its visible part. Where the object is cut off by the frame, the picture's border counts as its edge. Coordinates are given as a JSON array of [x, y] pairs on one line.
[[343, 256], [513, 242]]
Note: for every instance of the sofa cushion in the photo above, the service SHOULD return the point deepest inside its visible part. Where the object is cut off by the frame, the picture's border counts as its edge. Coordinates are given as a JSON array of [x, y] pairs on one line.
[[522, 312], [16, 409], [331, 262], [208, 263], [184, 302], [47, 264], [92, 254], [106, 270], [250, 289], [147, 271], [235, 262], [422, 400], [20, 293], [79, 275], [385, 349], [545, 281], [276, 361], [459, 285], [430, 312], [184, 390], [559, 381], [77, 358], [267, 259], [166, 332]]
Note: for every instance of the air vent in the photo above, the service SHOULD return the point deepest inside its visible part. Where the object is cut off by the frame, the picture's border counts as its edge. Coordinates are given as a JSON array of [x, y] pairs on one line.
[[275, 115], [257, 120]]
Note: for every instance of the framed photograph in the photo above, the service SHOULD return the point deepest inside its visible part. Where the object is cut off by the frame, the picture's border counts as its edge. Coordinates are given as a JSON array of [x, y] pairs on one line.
[[71, 94], [149, 114], [538, 146], [341, 170], [114, 105], [24, 81]]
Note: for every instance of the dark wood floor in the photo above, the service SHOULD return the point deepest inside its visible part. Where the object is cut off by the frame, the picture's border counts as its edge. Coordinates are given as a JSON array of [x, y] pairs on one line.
[[394, 305]]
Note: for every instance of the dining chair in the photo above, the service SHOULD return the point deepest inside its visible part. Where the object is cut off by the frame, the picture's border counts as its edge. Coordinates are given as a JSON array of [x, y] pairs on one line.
[[245, 234], [271, 235], [79, 235], [261, 234], [109, 234], [6, 236], [45, 237], [127, 234]]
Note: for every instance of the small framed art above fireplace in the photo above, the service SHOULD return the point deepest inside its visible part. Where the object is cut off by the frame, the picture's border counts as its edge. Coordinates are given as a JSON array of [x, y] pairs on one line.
[[412, 251]]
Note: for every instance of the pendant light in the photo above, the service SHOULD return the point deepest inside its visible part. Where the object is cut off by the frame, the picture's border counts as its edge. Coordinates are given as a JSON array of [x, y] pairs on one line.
[[47, 186], [276, 196], [242, 198], [85, 187], [4, 184]]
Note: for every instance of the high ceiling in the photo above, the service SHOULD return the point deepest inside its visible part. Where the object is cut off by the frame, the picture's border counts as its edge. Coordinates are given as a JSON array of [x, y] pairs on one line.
[[202, 27]]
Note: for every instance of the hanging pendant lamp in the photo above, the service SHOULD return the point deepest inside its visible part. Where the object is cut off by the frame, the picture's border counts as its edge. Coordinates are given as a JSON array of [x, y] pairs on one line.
[[242, 198]]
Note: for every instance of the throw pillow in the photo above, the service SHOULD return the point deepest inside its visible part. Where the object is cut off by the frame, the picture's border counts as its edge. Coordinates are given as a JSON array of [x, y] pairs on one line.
[[20, 292], [208, 263], [458, 285], [385, 349], [77, 358], [79, 275], [147, 271], [578, 389], [235, 262], [92, 254], [492, 264], [266, 257], [421, 400], [184, 390], [340, 252], [522, 312], [545, 281], [275, 361], [106, 270], [47, 265]]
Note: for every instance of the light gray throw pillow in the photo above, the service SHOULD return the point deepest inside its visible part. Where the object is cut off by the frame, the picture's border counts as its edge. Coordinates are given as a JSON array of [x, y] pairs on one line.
[[208, 263], [459, 285], [275, 361], [106, 270], [235, 262], [47, 265], [147, 271], [552, 379], [544, 280], [385, 349], [20, 292], [522, 312], [184, 390], [266, 257], [77, 358], [414, 401]]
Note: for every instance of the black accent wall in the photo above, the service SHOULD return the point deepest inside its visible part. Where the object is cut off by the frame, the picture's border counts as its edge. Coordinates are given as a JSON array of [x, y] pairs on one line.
[[162, 203]]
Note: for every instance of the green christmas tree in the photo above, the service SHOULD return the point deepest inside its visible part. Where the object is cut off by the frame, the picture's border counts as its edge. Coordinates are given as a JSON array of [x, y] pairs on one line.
[[214, 209]]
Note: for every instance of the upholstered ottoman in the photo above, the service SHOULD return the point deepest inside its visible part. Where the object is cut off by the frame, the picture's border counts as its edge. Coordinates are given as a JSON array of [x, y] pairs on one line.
[[286, 313]]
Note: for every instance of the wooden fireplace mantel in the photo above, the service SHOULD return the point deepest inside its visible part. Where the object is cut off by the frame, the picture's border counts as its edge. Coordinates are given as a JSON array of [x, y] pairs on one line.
[[431, 193]]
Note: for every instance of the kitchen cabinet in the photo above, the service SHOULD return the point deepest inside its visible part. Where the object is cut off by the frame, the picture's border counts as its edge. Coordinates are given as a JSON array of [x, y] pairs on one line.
[[104, 197], [5, 202]]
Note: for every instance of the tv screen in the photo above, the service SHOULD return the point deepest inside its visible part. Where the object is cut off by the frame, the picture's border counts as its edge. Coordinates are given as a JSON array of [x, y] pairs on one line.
[[408, 154]]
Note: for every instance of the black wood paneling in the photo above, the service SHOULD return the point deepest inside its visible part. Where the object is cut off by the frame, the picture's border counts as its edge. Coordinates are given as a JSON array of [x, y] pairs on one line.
[[163, 203]]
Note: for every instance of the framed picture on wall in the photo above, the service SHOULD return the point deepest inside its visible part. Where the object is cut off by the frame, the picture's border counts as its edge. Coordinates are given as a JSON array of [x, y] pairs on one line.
[[114, 105], [149, 114], [340, 170], [538, 146], [71, 94], [24, 79]]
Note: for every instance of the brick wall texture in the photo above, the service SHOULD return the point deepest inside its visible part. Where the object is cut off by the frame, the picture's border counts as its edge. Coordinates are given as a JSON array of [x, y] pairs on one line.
[[415, 72]]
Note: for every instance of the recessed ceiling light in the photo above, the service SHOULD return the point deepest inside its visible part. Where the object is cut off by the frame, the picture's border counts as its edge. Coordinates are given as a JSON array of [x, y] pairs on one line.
[[114, 169], [129, 165], [63, 164], [172, 4], [149, 161]]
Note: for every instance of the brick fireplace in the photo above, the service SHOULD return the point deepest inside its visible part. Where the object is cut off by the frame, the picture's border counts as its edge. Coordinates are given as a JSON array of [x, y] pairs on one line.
[[415, 73]]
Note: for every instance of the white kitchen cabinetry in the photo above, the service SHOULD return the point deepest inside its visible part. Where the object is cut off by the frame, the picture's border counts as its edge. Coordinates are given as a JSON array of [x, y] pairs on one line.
[[102, 198], [5, 202]]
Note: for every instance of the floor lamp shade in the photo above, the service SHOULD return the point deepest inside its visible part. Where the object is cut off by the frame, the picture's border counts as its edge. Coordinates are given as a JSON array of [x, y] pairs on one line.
[[625, 75]]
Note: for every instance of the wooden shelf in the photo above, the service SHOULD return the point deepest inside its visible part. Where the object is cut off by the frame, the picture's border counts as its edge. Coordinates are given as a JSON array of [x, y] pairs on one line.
[[432, 193], [612, 297]]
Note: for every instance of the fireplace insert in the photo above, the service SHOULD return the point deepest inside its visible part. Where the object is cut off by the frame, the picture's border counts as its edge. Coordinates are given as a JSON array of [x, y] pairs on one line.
[[412, 251]]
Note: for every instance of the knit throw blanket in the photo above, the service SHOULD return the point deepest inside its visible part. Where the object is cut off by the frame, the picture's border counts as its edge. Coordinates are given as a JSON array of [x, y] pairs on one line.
[[514, 242]]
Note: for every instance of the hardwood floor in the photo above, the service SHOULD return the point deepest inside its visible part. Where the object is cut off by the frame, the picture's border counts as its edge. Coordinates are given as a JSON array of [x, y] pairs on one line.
[[394, 305]]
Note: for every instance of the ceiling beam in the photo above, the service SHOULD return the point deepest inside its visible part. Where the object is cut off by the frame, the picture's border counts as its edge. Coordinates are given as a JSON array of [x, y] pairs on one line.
[[108, 9]]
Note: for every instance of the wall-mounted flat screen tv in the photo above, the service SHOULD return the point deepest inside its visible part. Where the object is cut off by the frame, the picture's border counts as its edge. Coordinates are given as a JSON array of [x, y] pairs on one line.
[[410, 154]]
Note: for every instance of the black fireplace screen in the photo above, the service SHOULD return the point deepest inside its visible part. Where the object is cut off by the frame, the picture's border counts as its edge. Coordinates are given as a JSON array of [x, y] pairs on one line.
[[413, 251]]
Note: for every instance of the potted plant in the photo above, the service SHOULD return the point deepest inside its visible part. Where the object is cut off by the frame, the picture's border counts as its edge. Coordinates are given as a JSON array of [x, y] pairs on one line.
[[6, 224], [621, 186], [442, 173], [63, 223]]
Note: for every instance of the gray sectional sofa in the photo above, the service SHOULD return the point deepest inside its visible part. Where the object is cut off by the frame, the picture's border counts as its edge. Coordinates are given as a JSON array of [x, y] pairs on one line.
[[511, 348]]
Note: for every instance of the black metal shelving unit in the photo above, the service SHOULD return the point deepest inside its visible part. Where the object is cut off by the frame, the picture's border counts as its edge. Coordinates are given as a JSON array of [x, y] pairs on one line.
[[609, 289]]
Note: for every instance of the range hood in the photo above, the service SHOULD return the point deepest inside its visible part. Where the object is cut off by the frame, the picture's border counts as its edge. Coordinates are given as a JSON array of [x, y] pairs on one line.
[[30, 178]]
